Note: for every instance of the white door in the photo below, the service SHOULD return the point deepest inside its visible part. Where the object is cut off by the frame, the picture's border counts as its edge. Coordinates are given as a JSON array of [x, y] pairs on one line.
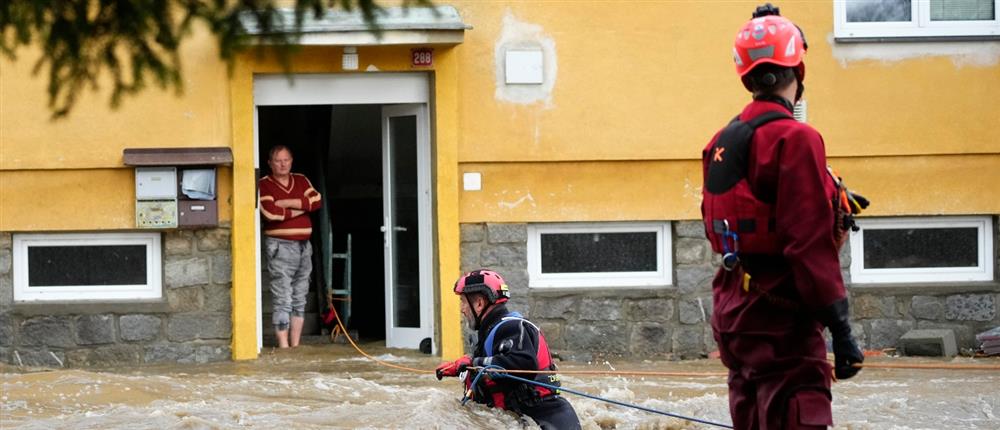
[[406, 224]]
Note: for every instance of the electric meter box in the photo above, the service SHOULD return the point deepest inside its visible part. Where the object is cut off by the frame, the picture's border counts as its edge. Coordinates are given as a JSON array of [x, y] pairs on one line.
[[156, 183], [156, 213], [156, 197]]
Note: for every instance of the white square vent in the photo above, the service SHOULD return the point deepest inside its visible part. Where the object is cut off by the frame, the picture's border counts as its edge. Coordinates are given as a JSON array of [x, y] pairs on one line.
[[523, 67]]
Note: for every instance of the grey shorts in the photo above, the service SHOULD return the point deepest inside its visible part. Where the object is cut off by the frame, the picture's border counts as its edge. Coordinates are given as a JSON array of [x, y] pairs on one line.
[[289, 264]]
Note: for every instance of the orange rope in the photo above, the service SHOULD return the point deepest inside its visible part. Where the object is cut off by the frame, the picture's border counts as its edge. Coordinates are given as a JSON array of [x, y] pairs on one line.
[[394, 366], [941, 366]]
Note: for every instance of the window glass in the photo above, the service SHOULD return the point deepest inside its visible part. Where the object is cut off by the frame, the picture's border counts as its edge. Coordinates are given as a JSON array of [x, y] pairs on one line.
[[879, 10], [962, 10], [921, 247], [56, 266], [598, 252]]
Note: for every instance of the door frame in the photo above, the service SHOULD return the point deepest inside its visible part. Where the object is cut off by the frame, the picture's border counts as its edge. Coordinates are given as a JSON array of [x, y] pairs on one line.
[[399, 337], [353, 89]]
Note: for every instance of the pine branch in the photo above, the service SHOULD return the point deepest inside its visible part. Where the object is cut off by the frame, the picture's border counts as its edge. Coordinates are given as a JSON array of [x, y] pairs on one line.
[[138, 42]]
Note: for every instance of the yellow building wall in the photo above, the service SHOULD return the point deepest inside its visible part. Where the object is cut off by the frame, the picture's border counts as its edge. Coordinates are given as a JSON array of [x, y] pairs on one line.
[[69, 174], [640, 87]]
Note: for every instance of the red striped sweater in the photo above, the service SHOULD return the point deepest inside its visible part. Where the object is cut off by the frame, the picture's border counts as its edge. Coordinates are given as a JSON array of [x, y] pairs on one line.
[[280, 222]]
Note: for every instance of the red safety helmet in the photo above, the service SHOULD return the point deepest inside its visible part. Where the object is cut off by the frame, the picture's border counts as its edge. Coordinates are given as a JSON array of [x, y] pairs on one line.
[[769, 39], [485, 282]]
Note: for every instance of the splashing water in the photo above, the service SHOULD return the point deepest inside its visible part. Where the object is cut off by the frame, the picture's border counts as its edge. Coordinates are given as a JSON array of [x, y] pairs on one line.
[[327, 386]]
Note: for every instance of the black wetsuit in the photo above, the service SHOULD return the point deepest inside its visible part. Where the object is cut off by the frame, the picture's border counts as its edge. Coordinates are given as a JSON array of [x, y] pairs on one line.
[[516, 345]]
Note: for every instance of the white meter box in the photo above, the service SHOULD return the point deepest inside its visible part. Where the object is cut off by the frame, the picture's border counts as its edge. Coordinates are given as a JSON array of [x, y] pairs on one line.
[[156, 214], [155, 183]]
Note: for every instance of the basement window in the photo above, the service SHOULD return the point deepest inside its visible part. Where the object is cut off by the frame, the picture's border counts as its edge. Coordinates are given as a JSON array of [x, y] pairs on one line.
[[86, 266], [877, 20], [599, 255], [932, 249]]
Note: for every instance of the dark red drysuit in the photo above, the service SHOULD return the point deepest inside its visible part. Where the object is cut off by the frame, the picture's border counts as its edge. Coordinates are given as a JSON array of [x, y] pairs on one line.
[[779, 376]]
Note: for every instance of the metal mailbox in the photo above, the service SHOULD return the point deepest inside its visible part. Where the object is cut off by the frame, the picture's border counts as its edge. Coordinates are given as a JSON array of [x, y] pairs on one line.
[[198, 213]]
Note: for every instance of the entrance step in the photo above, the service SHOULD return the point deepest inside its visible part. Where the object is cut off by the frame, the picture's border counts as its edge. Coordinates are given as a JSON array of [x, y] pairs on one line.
[[270, 342], [933, 343]]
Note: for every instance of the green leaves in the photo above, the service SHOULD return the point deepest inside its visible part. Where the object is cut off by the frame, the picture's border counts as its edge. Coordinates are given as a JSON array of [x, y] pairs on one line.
[[138, 42]]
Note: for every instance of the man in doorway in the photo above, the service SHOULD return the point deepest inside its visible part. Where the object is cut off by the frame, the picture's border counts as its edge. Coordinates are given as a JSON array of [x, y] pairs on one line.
[[773, 211], [286, 199], [513, 343]]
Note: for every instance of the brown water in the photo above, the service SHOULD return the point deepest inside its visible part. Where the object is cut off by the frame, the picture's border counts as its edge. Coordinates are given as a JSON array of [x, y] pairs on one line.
[[330, 386]]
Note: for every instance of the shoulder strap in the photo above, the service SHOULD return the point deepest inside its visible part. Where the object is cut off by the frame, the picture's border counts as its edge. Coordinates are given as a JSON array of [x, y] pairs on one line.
[[488, 343], [727, 161]]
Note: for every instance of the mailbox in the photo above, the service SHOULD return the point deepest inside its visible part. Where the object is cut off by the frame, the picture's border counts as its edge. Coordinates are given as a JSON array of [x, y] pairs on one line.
[[197, 202], [155, 183], [176, 187]]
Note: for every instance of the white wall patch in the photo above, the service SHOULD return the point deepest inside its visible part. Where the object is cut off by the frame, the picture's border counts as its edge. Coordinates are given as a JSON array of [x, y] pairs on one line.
[[519, 36]]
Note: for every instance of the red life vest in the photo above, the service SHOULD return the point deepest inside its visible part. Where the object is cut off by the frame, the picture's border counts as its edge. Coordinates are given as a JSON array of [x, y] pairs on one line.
[[498, 397], [735, 219]]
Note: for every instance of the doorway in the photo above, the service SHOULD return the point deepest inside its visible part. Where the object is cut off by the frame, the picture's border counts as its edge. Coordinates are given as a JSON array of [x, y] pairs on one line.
[[371, 163]]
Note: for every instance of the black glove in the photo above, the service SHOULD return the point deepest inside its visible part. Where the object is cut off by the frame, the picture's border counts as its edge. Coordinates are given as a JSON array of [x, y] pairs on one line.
[[845, 351]]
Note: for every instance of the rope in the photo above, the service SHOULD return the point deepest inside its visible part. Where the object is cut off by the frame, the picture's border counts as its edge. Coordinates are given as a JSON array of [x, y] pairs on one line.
[[387, 364], [929, 366], [607, 372], [497, 371]]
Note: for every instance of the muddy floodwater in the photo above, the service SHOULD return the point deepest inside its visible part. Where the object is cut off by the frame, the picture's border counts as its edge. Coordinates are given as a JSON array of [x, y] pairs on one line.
[[330, 386]]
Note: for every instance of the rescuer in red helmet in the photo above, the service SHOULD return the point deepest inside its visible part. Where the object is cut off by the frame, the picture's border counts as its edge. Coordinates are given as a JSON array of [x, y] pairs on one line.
[[772, 210], [511, 342]]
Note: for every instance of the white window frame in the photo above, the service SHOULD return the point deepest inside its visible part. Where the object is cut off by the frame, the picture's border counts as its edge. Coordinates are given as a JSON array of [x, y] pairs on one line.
[[920, 25], [663, 276], [152, 289], [983, 272]]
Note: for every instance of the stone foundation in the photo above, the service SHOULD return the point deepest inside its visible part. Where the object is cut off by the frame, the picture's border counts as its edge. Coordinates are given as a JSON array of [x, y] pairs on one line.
[[190, 324], [595, 323], [672, 321]]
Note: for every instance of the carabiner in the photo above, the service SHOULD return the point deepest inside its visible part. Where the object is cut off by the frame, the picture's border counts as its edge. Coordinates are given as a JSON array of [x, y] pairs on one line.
[[730, 258]]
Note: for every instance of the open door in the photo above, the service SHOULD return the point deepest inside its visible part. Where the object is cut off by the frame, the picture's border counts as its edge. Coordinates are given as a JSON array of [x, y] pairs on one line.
[[406, 227]]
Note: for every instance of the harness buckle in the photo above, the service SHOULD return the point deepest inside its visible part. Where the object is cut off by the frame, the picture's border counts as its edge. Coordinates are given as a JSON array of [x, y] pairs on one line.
[[730, 259]]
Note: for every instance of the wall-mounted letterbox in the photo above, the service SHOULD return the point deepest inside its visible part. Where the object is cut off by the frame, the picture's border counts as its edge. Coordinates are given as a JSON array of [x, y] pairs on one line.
[[176, 187], [197, 203], [155, 183]]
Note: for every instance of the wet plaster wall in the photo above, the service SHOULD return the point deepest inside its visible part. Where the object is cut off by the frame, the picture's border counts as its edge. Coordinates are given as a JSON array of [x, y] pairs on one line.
[[190, 324], [673, 321]]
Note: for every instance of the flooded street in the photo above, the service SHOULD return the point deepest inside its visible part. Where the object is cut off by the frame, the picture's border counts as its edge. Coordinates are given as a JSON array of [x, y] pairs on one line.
[[330, 386]]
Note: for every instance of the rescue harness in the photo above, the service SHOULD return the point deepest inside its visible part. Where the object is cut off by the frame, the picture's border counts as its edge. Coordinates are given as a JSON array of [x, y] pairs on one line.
[[737, 220], [525, 395]]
